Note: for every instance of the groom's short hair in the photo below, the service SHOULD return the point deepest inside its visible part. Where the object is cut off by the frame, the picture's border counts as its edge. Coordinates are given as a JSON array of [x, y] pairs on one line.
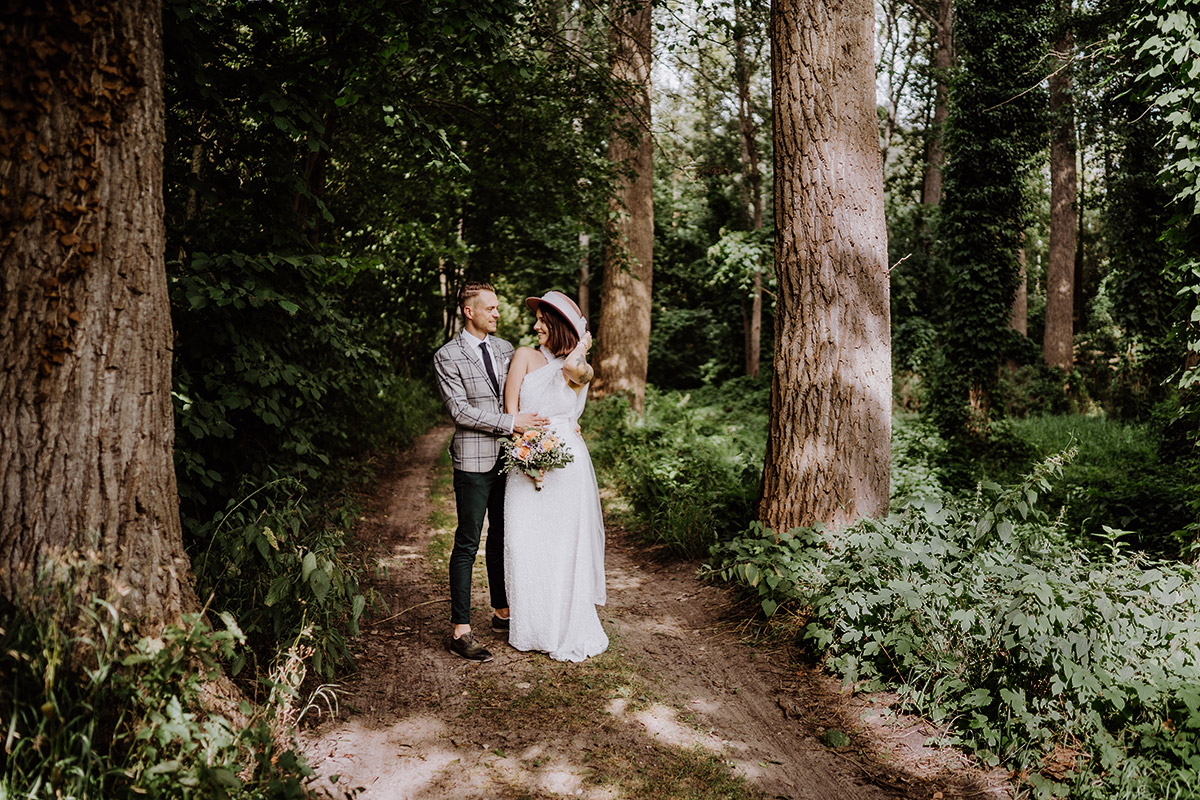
[[471, 290]]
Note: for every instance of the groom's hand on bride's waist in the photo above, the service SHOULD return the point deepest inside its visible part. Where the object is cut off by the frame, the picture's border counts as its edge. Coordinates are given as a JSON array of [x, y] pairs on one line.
[[527, 420]]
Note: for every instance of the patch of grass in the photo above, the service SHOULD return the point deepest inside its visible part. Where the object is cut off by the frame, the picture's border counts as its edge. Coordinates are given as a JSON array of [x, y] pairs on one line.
[[575, 701]]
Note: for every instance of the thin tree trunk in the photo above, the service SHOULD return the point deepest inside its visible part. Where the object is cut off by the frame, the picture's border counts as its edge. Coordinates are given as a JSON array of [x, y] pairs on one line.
[[623, 341], [935, 153], [1020, 308], [828, 449], [751, 192], [86, 461], [585, 274], [1058, 341]]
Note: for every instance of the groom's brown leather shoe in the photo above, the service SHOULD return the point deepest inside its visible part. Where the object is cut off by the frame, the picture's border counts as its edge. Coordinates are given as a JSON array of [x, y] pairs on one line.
[[468, 647], [499, 624]]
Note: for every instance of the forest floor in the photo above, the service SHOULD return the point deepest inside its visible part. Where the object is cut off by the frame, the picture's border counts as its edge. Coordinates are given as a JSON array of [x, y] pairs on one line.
[[688, 702]]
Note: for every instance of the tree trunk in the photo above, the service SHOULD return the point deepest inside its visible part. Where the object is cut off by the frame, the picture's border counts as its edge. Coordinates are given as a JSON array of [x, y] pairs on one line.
[[935, 153], [1020, 307], [86, 457], [828, 450], [623, 340], [585, 274], [1057, 344], [751, 190]]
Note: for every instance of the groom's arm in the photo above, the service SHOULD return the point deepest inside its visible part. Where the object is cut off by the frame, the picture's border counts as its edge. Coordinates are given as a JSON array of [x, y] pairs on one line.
[[454, 396]]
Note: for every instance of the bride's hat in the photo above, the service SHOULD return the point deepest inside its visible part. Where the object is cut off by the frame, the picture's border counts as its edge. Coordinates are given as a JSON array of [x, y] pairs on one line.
[[564, 305]]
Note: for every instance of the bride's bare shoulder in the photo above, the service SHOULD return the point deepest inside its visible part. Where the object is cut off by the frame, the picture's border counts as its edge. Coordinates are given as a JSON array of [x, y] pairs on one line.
[[523, 355]]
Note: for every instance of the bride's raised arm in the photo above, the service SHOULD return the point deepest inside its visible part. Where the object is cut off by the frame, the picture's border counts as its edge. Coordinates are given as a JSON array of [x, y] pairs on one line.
[[576, 367]]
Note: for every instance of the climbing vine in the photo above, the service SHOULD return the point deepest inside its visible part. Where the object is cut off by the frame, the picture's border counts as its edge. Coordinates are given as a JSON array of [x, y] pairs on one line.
[[996, 88]]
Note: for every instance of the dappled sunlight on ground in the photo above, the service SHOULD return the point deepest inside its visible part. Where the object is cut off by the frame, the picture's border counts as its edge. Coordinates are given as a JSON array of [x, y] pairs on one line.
[[662, 723], [680, 707]]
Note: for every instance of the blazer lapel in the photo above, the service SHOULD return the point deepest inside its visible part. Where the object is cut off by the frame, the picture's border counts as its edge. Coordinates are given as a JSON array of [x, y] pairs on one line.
[[477, 363]]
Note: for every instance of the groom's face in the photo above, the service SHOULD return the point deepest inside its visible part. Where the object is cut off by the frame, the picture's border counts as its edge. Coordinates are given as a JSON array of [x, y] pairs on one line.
[[484, 311]]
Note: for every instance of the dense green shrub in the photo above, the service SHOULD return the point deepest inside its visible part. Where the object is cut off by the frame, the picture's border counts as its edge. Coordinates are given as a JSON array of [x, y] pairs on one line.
[[94, 711], [274, 377], [690, 467], [988, 619], [281, 566], [281, 382]]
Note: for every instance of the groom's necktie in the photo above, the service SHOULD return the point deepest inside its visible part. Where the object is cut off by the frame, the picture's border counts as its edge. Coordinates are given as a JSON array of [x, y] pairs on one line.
[[487, 365]]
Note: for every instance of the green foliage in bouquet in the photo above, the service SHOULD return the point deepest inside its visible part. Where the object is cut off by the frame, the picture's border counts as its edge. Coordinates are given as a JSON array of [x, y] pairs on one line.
[[535, 452]]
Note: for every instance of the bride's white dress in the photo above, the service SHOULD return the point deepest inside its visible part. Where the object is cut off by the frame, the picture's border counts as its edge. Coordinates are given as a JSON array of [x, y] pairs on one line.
[[554, 538]]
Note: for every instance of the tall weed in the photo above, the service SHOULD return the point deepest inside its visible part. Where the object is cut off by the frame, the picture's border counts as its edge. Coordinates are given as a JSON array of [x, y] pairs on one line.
[[280, 568]]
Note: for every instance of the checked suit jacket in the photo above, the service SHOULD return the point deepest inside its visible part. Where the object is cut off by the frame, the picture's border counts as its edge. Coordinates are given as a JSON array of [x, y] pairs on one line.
[[476, 407]]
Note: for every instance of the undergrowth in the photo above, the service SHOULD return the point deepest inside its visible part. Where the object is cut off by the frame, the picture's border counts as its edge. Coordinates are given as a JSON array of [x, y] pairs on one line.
[[985, 617], [94, 711], [690, 466]]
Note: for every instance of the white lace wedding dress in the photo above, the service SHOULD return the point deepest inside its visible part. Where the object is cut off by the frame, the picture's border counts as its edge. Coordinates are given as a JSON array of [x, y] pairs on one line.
[[554, 538]]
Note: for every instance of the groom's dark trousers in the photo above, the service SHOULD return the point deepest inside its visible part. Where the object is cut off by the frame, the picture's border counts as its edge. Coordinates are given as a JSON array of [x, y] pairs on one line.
[[477, 493]]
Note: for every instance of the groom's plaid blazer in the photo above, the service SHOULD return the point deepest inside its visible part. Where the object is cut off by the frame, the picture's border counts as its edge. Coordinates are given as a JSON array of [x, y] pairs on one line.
[[474, 405]]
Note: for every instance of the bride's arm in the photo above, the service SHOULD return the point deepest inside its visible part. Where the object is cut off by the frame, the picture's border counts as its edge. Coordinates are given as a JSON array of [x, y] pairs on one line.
[[576, 368], [516, 373]]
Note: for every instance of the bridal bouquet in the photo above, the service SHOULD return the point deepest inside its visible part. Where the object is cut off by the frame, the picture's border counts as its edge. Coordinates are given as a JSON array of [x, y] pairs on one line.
[[534, 452]]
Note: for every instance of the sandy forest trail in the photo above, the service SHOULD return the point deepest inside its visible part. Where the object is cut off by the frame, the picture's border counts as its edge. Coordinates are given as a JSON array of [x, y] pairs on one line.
[[678, 707]]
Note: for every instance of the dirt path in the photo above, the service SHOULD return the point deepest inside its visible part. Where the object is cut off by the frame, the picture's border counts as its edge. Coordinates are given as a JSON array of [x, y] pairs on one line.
[[679, 706]]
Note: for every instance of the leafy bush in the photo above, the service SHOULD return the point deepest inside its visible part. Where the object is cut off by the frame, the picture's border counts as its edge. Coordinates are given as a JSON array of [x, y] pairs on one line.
[[988, 620], [280, 567], [1035, 388], [689, 470], [281, 381], [94, 711], [274, 377]]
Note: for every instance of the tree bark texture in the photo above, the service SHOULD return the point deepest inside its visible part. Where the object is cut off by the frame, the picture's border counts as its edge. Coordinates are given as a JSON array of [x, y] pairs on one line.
[[623, 336], [829, 445], [86, 430], [1058, 340], [935, 153]]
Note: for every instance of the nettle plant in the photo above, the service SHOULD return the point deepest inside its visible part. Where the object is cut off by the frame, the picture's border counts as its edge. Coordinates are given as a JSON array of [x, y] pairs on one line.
[[989, 622]]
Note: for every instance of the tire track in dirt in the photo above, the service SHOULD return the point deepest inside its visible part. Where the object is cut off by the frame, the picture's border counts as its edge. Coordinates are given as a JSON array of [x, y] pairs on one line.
[[679, 684]]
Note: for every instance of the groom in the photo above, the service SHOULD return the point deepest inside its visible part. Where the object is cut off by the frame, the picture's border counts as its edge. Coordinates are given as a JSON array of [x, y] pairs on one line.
[[471, 369]]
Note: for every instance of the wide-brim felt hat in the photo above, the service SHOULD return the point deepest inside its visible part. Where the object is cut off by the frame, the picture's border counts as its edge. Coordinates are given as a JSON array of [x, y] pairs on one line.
[[564, 305]]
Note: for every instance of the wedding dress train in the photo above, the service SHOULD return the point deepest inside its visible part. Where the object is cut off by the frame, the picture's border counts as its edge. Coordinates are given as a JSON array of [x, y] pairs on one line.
[[554, 538]]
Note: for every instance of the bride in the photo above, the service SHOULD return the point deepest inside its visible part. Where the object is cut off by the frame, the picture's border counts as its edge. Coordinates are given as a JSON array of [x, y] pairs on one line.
[[554, 538]]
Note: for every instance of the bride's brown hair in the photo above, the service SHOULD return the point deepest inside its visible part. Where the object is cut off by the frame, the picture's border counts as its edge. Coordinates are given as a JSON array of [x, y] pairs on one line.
[[561, 336]]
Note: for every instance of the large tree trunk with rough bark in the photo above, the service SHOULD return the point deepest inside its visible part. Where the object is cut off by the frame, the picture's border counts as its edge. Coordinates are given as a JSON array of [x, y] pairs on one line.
[[86, 430], [935, 150], [1058, 340], [623, 336], [828, 451]]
